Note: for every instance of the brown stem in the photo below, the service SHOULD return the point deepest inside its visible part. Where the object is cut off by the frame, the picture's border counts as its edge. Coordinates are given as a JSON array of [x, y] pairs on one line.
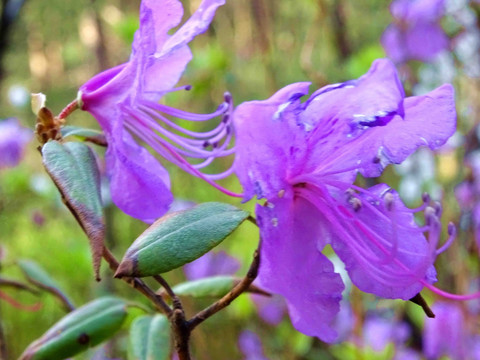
[[420, 301], [181, 334], [138, 284], [232, 295]]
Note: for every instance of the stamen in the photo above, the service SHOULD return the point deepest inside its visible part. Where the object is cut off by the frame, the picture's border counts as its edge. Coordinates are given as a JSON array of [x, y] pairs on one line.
[[452, 232]]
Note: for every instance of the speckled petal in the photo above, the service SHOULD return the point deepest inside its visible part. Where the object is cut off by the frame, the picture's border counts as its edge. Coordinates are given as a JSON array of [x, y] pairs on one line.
[[269, 142], [429, 120]]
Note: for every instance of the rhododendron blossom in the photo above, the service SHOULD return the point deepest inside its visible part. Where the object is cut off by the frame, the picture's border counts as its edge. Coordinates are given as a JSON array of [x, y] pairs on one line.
[[303, 158], [124, 100]]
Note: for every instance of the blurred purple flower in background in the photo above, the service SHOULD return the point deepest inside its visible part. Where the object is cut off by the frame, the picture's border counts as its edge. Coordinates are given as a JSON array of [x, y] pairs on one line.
[[124, 100], [305, 168], [211, 264], [13, 139], [468, 197], [270, 309], [250, 345], [378, 332], [448, 335], [416, 33]]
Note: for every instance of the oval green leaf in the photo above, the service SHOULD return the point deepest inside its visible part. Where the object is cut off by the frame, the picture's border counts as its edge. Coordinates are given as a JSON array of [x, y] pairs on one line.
[[73, 168], [80, 330], [179, 238], [36, 275], [149, 338], [215, 286]]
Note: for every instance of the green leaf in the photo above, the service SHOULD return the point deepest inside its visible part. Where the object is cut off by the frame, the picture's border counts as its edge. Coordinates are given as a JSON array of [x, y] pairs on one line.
[[73, 168], [179, 238], [80, 330], [91, 135], [149, 338], [40, 278], [216, 286]]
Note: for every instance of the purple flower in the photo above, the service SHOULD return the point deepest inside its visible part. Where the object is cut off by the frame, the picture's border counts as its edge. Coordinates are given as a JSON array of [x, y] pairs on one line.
[[446, 333], [303, 157], [270, 309], [415, 33], [211, 264], [124, 100], [251, 346], [13, 139], [468, 196], [378, 332]]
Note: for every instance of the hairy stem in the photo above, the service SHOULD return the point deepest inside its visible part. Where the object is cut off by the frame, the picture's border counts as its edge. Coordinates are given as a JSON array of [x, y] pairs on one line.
[[232, 295]]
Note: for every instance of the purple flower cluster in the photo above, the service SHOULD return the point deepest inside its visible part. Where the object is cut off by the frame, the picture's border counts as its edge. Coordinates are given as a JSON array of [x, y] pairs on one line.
[[301, 156], [415, 33]]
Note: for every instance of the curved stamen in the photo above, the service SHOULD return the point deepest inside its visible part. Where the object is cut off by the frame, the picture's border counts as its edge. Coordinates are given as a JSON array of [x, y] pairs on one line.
[[452, 232], [220, 127], [191, 151], [167, 151], [364, 254], [185, 114]]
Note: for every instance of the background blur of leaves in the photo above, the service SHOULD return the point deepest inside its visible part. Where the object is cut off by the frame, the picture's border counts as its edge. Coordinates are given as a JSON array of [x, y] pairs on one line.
[[252, 49]]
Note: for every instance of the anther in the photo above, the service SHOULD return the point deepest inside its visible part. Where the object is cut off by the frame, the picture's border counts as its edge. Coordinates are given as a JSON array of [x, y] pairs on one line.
[[356, 203], [281, 193], [426, 198], [228, 97], [438, 208], [389, 201], [452, 230], [430, 214], [376, 160]]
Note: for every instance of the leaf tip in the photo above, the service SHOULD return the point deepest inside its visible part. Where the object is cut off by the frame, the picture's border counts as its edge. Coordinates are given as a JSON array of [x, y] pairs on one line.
[[126, 268]]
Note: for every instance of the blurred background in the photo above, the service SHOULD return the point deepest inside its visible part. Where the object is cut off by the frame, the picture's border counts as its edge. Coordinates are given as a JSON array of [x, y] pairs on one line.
[[252, 49]]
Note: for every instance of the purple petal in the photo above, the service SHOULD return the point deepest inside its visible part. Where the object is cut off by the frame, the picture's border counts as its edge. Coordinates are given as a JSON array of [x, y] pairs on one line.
[[197, 24], [418, 10], [157, 17], [429, 120], [425, 41], [445, 334], [384, 251], [139, 185], [338, 115], [393, 41], [211, 264], [13, 139], [312, 290], [263, 134], [270, 309], [378, 332], [251, 346]]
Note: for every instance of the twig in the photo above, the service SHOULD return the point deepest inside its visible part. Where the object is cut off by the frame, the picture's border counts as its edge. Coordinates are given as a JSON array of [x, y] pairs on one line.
[[17, 285], [420, 301], [181, 334], [232, 295], [138, 284]]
